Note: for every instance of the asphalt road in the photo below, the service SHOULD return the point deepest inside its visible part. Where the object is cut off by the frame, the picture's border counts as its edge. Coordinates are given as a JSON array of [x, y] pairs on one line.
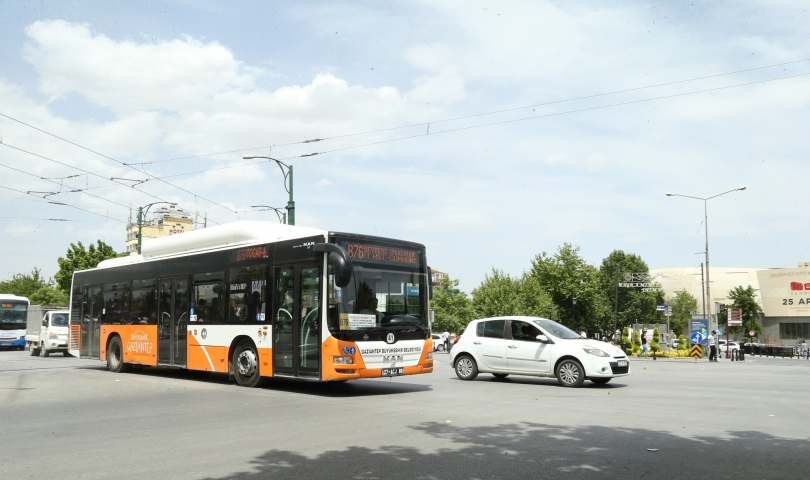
[[70, 418]]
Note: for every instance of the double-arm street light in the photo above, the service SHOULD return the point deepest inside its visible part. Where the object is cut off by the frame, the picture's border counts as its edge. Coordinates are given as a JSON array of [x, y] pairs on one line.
[[282, 216], [288, 185], [706, 227], [142, 211]]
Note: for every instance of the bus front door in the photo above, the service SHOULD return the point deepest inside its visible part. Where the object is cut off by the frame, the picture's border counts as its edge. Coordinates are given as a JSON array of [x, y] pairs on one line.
[[296, 321], [173, 321], [92, 308]]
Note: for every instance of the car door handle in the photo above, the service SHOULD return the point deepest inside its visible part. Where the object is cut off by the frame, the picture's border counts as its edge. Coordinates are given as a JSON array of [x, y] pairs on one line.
[[476, 343], [512, 346]]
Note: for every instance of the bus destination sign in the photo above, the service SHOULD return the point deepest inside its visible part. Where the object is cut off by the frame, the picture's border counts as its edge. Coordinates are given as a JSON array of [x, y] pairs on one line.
[[375, 253], [251, 253]]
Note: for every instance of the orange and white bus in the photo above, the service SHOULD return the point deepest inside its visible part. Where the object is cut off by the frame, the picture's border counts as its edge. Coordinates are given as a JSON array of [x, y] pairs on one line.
[[257, 300]]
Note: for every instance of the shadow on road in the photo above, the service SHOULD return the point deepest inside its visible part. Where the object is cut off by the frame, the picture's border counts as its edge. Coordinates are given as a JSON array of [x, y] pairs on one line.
[[535, 450]]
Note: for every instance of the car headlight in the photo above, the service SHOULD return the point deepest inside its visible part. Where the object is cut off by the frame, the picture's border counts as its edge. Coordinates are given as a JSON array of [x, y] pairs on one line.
[[53, 335], [595, 351]]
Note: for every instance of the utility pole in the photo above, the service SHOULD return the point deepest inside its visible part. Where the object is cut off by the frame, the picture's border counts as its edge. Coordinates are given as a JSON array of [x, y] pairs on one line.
[[616, 306]]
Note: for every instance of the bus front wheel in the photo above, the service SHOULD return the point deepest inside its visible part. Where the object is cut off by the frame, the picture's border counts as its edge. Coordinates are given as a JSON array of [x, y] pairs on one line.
[[246, 364]]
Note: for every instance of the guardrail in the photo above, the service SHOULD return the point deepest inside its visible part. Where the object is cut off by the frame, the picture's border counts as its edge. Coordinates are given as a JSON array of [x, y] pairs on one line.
[[775, 351]]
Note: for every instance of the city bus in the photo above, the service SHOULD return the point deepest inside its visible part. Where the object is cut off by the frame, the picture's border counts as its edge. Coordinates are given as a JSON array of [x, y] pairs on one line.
[[13, 320], [258, 300]]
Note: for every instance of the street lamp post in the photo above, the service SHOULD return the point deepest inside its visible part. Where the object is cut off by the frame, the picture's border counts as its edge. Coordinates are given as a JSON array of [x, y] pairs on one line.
[[288, 185], [142, 211], [282, 216], [706, 227]]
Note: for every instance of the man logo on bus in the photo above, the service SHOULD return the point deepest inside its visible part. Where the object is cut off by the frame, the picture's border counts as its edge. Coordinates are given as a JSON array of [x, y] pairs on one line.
[[390, 338]]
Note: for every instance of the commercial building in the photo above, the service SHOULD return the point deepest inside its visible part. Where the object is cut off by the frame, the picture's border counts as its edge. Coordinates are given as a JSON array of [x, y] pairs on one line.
[[782, 293], [164, 221]]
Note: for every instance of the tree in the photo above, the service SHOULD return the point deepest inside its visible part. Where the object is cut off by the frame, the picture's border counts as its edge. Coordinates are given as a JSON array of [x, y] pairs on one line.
[[682, 342], [452, 311], [572, 287], [636, 343], [501, 294], [77, 258], [628, 348], [683, 306], [744, 298], [34, 286], [634, 306]]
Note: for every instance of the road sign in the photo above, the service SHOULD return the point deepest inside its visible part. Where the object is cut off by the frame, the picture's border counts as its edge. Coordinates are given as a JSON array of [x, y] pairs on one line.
[[751, 333], [735, 317], [719, 330], [696, 351], [660, 308], [668, 311], [696, 338]]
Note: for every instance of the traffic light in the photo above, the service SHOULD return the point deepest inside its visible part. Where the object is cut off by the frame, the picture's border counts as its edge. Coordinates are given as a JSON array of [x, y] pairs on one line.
[[722, 309]]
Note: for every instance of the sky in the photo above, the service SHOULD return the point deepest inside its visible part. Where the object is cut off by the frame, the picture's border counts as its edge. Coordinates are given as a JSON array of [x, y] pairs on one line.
[[488, 131]]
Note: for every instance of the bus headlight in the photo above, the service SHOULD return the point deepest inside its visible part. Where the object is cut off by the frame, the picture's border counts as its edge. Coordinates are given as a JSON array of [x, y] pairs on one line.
[[429, 356], [343, 360]]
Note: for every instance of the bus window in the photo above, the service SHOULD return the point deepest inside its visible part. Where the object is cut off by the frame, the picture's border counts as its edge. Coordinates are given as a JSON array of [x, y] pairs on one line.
[[248, 294], [143, 302], [116, 303], [209, 302]]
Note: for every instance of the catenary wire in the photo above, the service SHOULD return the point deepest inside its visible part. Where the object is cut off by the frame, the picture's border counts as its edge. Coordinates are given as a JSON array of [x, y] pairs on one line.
[[117, 161], [66, 205], [533, 117], [474, 115]]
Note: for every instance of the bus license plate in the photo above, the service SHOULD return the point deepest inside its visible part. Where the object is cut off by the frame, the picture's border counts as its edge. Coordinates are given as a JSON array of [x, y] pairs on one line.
[[622, 363], [392, 372]]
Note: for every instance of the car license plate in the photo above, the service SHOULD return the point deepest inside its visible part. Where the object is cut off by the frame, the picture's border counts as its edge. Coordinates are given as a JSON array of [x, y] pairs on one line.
[[392, 372], [622, 363]]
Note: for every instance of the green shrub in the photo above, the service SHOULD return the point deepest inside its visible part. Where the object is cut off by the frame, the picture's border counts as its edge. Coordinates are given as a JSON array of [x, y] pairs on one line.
[[654, 344], [626, 341], [636, 343], [681, 343]]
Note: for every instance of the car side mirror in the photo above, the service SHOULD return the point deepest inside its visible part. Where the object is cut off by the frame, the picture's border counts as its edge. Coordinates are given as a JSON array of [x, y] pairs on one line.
[[542, 338], [45, 323]]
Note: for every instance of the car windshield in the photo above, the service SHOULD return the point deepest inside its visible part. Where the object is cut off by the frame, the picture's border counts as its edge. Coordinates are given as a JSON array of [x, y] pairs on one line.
[[559, 331], [59, 320]]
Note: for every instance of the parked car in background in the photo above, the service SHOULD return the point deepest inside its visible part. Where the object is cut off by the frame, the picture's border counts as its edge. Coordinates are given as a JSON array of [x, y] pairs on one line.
[[731, 345], [438, 343], [535, 346]]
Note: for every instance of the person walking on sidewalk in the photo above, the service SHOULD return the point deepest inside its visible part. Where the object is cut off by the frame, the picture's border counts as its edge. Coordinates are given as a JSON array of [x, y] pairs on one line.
[[804, 349], [712, 347], [645, 347]]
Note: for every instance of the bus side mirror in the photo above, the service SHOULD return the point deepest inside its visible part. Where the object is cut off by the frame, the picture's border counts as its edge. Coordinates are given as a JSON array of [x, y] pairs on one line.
[[430, 284], [339, 258]]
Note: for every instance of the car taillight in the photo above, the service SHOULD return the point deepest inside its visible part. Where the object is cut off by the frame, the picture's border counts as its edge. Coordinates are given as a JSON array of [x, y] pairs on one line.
[[456, 340]]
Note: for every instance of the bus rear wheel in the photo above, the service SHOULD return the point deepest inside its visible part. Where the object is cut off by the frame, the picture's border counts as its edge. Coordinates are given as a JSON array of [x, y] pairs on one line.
[[115, 356], [246, 364]]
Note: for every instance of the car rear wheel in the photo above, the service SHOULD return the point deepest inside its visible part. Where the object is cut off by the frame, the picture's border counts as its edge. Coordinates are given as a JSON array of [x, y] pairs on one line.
[[466, 369], [33, 350], [500, 376], [600, 381], [570, 373]]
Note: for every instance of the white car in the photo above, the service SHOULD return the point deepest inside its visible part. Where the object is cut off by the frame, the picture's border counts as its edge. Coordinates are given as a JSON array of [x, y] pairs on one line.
[[723, 347], [535, 346], [438, 343]]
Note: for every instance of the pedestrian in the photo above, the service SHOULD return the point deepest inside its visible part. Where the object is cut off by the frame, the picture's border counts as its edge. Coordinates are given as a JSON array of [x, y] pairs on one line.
[[712, 347], [446, 340], [645, 347], [584, 334], [805, 349]]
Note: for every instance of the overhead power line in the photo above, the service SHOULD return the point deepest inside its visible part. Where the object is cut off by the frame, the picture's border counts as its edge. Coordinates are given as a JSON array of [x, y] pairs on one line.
[[503, 122], [114, 160], [66, 205], [464, 117]]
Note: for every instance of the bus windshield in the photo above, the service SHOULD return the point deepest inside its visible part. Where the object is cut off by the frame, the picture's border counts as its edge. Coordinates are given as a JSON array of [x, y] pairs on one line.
[[13, 312], [377, 300]]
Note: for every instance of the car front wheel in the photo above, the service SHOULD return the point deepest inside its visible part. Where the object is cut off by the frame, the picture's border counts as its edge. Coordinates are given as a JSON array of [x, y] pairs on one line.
[[466, 369], [570, 373]]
